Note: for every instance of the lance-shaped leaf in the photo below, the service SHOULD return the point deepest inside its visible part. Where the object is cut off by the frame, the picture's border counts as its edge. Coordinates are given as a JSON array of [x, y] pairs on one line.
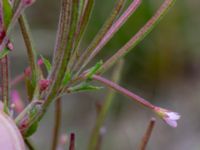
[[46, 63], [82, 87], [4, 52], [93, 70], [1, 16], [7, 13]]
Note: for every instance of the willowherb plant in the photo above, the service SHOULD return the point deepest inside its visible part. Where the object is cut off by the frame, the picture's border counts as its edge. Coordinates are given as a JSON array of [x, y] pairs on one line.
[[68, 72]]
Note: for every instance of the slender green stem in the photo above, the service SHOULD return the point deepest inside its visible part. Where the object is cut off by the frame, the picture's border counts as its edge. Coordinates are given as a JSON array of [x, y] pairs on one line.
[[140, 35], [62, 68], [29, 144], [94, 138], [100, 35], [25, 29], [57, 123], [147, 134], [62, 36], [84, 17]]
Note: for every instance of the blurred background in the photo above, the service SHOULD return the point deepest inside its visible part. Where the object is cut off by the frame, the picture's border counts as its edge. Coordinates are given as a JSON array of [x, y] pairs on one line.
[[164, 69]]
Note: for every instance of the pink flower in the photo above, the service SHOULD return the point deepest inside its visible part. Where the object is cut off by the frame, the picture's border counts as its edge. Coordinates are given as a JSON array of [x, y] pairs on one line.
[[168, 116]]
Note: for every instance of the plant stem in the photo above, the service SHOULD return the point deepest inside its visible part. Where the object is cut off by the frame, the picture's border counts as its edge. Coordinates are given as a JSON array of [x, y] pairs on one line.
[[29, 144], [84, 18], [139, 36], [64, 60], [123, 91], [5, 83], [72, 142], [100, 35], [147, 134], [57, 123], [62, 35], [94, 138], [18, 10], [32, 58]]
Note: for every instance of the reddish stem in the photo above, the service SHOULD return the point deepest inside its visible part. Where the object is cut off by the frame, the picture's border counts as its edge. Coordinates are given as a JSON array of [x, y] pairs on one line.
[[147, 134], [123, 91], [72, 142]]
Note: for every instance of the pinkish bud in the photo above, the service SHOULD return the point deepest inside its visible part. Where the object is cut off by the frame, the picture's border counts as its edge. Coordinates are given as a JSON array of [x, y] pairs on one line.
[[40, 62], [17, 101], [27, 72], [44, 83], [28, 2], [168, 116], [10, 46]]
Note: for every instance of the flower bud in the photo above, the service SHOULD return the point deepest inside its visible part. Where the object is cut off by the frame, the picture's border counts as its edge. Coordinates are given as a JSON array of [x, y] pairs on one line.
[[28, 2], [44, 83]]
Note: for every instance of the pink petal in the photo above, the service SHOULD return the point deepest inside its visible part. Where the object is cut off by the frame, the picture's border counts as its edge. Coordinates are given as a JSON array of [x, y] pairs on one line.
[[170, 122], [11, 138], [173, 115]]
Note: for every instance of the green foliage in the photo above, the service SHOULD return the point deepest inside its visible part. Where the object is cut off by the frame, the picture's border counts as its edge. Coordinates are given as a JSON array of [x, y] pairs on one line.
[[85, 86], [46, 63], [4, 52], [7, 13], [94, 69], [66, 78]]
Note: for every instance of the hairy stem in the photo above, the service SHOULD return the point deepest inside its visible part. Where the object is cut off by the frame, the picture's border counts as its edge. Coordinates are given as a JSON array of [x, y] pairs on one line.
[[32, 58], [62, 34], [81, 28], [123, 91], [62, 68], [100, 35]]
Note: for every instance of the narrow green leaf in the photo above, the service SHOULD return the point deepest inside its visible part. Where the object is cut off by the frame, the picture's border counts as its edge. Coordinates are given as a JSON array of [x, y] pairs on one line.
[[46, 63], [7, 13], [31, 130], [66, 78], [29, 88], [4, 52], [94, 69], [82, 87]]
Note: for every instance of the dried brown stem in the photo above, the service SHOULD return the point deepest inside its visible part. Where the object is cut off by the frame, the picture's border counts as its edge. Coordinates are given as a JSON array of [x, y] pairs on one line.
[[57, 123], [147, 134]]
